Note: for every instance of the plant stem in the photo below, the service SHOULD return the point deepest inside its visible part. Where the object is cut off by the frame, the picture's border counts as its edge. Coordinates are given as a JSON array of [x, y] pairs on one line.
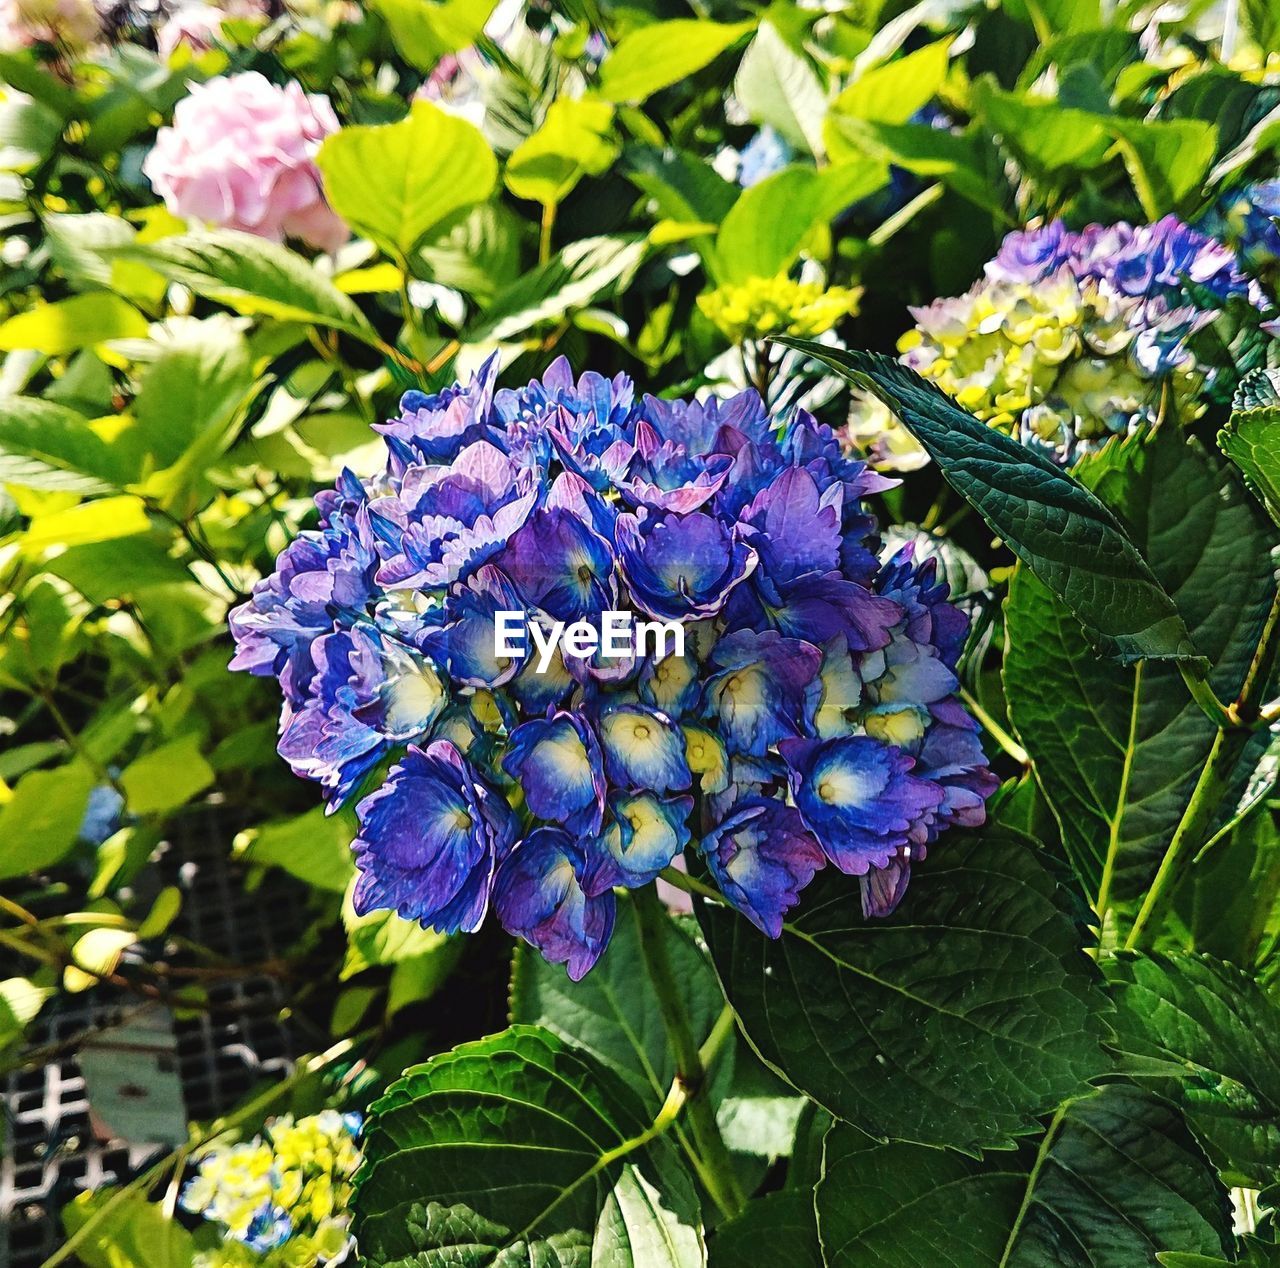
[[1235, 730], [544, 232], [691, 1068], [995, 730], [1188, 836], [690, 884]]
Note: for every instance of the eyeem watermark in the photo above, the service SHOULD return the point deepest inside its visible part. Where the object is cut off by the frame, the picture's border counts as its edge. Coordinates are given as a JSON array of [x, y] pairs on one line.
[[618, 637]]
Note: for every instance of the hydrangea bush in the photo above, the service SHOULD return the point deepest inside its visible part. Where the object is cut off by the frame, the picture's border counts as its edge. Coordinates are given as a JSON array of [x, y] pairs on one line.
[[678, 841]]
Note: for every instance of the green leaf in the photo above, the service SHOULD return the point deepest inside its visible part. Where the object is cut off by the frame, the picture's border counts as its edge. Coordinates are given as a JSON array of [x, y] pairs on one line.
[[1213, 1030], [20, 1003], [40, 823], [779, 1228], [905, 1026], [251, 276], [48, 446], [136, 1232], [78, 322], [1116, 1178], [425, 31], [1168, 160], [118, 569], [167, 777], [664, 53], [1060, 530], [314, 847], [1044, 135], [764, 230], [396, 182], [1251, 439], [1116, 749], [892, 93], [28, 133], [191, 391], [381, 937], [574, 141], [613, 1012], [584, 272], [779, 87], [519, 1149]]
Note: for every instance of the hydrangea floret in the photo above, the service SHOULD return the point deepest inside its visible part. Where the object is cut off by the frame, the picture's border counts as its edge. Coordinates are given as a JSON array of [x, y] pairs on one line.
[[811, 717], [282, 1197], [1071, 337]]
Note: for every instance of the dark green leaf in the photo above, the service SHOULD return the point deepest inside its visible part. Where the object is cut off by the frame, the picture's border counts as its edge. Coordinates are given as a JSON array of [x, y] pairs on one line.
[[1116, 1178], [41, 822], [1251, 439], [779, 1228], [1117, 749], [1060, 530], [1214, 1029], [519, 1150], [613, 1012], [957, 1020]]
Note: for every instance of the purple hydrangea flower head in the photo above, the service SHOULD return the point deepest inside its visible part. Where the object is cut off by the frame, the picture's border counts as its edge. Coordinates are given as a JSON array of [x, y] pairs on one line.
[[445, 637]]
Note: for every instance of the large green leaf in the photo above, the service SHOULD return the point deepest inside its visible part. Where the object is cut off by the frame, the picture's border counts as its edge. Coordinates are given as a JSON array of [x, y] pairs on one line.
[[425, 30], [250, 275], [664, 53], [613, 1012], [192, 391], [1043, 134], [1167, 159], [1117, 749], [575, 140], [520, 1150], [957, 1020], [892, 93], [396, 182], [48, 446], [1060, 530], [1217, 1032], [1115, 1179], [779, 87]]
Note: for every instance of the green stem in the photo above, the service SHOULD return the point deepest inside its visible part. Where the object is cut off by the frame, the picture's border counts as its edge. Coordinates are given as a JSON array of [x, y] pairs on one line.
[[995, 730], [246, 1113], [545, 231], [691, 1068], [1189, 835], [1197, 819], [690, 884], [1204, 696]]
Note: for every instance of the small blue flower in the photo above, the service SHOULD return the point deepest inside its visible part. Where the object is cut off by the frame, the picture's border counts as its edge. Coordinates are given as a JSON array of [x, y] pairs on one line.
[[642, 836], [558, 764], [643, 750]]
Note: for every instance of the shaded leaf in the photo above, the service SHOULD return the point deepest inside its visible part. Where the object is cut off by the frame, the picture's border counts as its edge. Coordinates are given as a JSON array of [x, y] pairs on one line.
[[1117, 1178], [1117, 749], [1214, 1031], [78, 322], [957, 1020], [517, 1148]]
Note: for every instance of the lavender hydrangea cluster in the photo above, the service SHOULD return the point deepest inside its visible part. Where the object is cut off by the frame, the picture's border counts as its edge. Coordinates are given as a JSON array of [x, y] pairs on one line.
[[812, 718], [1073, 337]]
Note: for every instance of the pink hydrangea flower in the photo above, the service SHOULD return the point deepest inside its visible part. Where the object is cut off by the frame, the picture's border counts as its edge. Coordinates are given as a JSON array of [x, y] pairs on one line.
[[241, 154]]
